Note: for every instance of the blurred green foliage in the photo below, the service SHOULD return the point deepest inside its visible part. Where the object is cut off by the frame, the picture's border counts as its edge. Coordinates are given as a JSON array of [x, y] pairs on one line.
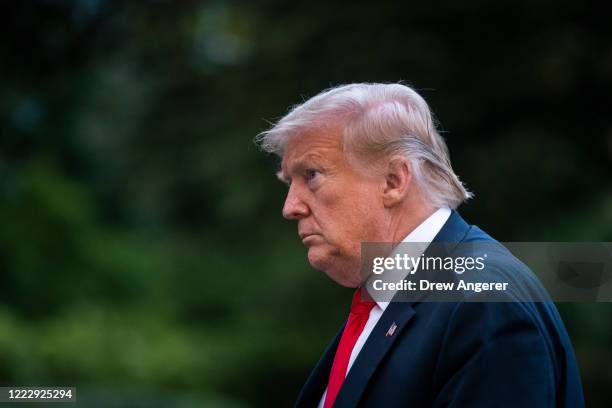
[[143, 257]]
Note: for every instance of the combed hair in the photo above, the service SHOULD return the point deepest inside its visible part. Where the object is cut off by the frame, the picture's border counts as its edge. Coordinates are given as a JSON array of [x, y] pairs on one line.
[[378, 119]]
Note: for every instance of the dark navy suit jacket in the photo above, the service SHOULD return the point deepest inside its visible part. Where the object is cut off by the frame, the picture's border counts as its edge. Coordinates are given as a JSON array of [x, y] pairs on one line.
[[460, 354]]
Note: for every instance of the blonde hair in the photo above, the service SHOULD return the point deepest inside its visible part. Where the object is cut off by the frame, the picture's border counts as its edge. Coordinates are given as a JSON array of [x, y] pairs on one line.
[[388, 119]]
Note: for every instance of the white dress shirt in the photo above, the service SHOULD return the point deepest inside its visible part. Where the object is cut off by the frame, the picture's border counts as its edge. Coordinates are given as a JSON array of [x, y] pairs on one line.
[[424, 233]]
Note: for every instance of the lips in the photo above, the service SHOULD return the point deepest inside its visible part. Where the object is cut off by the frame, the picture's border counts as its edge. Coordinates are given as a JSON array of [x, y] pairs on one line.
[[304, 235]]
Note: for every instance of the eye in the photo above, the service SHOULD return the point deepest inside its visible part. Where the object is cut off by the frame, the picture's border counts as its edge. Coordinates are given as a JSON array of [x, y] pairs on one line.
[[311, 174]]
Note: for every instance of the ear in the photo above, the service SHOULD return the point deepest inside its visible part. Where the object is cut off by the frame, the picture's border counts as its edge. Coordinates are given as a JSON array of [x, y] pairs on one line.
[[398, 177]]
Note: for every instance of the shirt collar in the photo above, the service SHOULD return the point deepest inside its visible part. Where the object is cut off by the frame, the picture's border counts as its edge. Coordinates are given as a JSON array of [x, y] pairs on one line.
[[425, 232]]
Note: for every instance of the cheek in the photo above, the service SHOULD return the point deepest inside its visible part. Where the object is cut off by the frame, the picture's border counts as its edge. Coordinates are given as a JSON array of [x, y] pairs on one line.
[[349, 213], [366, 219], [360, 223], [362, 206]]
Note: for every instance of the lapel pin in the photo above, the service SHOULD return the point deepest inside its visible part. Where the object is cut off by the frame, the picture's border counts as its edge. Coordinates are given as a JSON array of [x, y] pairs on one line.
[[391, 330]]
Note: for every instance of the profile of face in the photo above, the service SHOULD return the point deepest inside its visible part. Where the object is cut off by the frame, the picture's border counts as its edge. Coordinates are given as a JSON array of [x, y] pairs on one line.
[[336, 205]]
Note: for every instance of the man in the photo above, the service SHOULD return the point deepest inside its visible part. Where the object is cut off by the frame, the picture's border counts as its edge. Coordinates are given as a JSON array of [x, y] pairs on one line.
[[364, 163]]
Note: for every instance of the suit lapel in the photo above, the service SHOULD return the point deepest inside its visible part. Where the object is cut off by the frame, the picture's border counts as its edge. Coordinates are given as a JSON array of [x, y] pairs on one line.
[[397, 314], [378, 344]]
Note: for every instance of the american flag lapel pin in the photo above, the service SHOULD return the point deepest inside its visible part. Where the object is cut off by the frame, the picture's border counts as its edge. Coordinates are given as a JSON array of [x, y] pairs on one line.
[[391, 330]]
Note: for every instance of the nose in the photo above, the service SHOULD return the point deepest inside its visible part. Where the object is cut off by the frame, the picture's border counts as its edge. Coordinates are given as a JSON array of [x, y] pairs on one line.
[[295, 208]]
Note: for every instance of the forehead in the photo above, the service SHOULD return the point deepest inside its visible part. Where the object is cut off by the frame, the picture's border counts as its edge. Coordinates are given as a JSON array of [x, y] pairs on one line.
[[317, 144]]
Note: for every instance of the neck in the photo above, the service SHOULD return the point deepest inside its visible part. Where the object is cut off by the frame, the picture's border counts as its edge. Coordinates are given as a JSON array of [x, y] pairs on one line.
[[408, 219]]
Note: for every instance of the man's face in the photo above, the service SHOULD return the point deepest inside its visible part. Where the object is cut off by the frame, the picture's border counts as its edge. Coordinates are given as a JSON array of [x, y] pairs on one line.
[[336, 205]]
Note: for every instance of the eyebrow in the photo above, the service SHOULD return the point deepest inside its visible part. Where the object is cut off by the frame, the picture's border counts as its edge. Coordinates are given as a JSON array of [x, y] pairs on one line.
[[303, 163]]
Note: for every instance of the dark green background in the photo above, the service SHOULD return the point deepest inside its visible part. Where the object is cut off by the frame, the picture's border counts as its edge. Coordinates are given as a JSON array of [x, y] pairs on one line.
[[143, 256]]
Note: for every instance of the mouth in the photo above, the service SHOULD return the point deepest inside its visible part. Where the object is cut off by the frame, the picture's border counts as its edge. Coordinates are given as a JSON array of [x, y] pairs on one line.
[[304, 236]]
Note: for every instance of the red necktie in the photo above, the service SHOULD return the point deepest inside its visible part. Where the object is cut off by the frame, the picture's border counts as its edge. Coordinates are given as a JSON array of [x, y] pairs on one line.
[[360, 312]]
